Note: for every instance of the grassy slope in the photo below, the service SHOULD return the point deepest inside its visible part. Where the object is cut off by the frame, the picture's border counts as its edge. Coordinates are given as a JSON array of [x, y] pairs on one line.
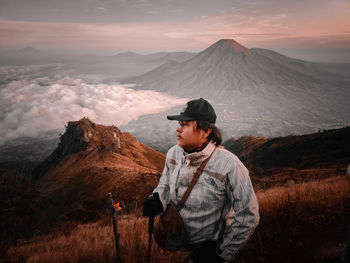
[[303, 222], [326, 149]]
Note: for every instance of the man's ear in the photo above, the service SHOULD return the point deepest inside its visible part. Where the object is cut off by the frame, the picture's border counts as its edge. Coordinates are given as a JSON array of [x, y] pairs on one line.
[[206, 133], [194, 126]]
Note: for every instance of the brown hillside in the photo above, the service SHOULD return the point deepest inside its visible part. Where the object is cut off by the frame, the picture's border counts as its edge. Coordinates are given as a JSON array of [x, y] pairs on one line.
[[92, 160], [244, 145], [327, 149]]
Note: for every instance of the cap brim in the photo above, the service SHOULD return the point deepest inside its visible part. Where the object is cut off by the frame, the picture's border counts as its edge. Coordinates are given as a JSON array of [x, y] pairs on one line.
[[180, 118]]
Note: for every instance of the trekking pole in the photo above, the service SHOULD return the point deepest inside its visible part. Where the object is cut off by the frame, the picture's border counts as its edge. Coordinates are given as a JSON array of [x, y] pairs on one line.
[[115, 231], [150, 232]]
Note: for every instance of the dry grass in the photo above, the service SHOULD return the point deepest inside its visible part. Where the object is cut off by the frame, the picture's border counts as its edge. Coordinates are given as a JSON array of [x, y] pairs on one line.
[[282, 208], [93, 242], [308, 203]]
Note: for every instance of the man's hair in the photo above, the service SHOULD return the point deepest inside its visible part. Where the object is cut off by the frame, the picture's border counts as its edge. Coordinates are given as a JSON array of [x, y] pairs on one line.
[[215, 134]]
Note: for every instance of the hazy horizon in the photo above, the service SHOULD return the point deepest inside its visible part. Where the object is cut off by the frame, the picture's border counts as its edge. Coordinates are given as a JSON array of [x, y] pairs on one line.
[[144, 26], [320, 55]]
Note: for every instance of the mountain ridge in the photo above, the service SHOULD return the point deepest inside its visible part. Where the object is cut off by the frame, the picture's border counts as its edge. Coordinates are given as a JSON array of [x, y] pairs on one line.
[[329, 148]]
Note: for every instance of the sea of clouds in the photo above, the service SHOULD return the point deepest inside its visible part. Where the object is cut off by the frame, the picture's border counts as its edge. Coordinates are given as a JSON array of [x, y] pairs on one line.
[[33, 99]]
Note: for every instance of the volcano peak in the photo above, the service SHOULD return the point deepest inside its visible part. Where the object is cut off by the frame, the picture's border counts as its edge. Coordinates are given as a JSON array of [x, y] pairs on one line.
[[233, 44]]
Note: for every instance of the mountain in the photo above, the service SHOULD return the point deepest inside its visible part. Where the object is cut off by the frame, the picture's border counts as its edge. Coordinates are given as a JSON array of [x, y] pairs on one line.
[[28, 56], [28, 50], [254, 91], [108, 68], [126, 55], [31, 149], [127, 64], [92, 160], [227, 70], [326, 149]]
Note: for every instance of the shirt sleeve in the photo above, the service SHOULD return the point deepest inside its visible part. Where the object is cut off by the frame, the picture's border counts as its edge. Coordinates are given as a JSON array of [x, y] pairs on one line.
[[245, 206], [163, 186]]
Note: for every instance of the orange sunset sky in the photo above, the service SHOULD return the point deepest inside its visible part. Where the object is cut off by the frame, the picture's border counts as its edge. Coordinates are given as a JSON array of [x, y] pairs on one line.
[[109, 26]]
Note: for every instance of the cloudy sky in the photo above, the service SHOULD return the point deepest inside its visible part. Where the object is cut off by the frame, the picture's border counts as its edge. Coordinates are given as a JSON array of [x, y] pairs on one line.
[[145, 26]]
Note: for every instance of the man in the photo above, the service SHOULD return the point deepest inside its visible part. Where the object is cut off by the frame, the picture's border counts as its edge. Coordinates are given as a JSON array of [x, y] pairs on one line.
[[221, 211]]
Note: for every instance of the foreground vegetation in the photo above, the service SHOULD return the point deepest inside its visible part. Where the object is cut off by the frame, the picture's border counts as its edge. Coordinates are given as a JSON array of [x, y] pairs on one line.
[[303, 222]]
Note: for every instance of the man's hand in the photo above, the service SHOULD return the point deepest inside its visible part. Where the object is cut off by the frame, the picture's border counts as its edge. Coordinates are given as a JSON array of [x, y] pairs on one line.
[[152, 205], [207, 253]]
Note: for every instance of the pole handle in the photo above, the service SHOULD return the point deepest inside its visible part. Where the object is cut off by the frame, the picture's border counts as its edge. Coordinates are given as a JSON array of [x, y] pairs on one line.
[[150, 224], [115, 231], [150, 232]]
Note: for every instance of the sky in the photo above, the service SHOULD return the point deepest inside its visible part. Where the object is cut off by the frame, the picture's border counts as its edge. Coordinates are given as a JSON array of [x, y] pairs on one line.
[[319, 28]]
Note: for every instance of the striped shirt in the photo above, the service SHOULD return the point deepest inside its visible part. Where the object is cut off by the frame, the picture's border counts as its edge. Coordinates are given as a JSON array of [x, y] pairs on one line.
[[223, 191]]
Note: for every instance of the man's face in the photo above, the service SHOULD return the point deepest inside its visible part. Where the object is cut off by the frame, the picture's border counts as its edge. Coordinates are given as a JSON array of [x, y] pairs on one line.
[[188, 137]]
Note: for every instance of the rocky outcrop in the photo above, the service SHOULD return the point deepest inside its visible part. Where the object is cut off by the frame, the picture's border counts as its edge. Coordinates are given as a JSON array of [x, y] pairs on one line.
[[80, 136], [85, 137], [92, 160]]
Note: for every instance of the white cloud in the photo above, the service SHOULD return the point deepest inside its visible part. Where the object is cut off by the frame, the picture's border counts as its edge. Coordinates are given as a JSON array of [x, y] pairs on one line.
[[32, 104]]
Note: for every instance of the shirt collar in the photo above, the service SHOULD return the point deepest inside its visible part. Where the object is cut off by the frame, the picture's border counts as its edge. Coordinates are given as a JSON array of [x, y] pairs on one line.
[[199, 157]]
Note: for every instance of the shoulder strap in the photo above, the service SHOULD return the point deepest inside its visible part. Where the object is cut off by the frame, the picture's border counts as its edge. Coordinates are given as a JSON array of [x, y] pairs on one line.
[[194, 180]]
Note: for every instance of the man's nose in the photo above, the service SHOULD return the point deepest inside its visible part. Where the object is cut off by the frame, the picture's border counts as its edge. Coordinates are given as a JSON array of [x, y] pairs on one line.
[[179, 129]]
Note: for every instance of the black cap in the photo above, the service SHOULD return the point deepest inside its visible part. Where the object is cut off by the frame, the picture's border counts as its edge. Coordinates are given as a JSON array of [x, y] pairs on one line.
[[199, 109]]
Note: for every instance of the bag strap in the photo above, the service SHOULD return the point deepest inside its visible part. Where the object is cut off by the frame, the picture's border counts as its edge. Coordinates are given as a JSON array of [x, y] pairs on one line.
[[194, 180]]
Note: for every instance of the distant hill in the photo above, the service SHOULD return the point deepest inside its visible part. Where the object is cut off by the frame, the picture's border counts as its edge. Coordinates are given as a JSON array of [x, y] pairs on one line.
[[27, 56], [112, 68], [324, 149], [127, 64], [32, 149], [28, 50]]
